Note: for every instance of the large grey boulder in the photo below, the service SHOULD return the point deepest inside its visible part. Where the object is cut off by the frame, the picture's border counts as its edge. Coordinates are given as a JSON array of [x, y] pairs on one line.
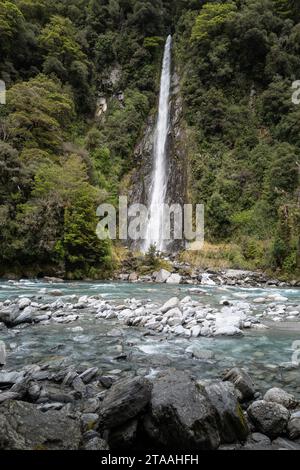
[[170, 304], [181, 416], [233, 426], [162, 276], [228, 331], [10, 378], [294, 426], [174, 279], [242, 381], [24, 427], [25, 317], [8, 315], [23, 303], [269, 418], [123, 437], [124, 402], [277, 395], [258, 441]]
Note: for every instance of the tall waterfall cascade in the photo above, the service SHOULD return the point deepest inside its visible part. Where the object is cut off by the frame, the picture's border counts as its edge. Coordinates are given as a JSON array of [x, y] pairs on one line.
[[158, 191]]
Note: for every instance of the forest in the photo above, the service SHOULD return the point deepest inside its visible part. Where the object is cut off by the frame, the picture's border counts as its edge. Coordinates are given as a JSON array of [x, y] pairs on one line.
[[61, 155]]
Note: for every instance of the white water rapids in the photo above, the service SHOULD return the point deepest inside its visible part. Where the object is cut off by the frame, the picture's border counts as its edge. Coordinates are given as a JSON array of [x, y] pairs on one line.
[[158, 190]]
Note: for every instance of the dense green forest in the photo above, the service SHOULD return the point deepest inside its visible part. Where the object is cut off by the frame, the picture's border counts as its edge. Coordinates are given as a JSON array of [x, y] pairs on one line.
[[61, 155]]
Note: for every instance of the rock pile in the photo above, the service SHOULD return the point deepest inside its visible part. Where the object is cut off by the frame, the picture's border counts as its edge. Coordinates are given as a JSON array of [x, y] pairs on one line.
[[54, 407]]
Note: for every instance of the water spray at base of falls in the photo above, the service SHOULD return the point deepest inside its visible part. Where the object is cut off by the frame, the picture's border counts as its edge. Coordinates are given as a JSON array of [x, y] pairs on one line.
[[158, 191]]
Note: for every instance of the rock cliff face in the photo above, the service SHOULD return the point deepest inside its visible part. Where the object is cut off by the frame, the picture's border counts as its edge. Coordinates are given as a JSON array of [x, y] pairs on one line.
[[176, 154]]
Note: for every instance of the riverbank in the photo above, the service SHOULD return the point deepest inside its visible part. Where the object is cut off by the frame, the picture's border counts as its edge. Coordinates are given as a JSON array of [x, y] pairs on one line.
[[73, 349]]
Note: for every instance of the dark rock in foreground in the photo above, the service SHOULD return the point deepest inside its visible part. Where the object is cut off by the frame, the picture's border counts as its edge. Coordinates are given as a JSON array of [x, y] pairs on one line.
[[170, 411], [124, 402], [182, 416], [24, 427]]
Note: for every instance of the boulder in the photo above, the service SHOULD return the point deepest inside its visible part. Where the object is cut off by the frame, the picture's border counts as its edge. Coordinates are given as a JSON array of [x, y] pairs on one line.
[[5, 396], [25, 317], [242, 382], [181, 415], [277, 395], [162, 276], [258, 441], [89, 421], [233, 426], [24, 427], [23, 303], [228, 331], [294, 426], [199, 353], [269, 418], [170, 304], [2, 354], [174, 279], [10, 378], [196, 331], [284, 444], [95, 444], [56, 293], [123, 437], [89, 374], [124, 402]]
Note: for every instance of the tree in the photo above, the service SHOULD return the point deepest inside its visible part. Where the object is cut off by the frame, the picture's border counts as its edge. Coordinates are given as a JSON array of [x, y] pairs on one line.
[[211, 19], [38, 111], [11, 24]]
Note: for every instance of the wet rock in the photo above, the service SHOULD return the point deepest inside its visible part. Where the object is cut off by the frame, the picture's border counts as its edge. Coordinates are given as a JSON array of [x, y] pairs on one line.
[[89, 421], [123, 437], [54, 280], [277, 395], [79, 385], [24, 427], [106, 381], [124, 402], [95, 444], [56, 293], [162, 276], [269, 418], [88, 375], [10, 378], [170, 304], [133, 277], [174, 279], [233, 426], [6, 396], [228, 331], [258, 441], [294, 426], [34, 391], [8, 315], [242, 382], [50, 406], [23, 303], [24, 317], [284, 444], [196, 331], [181, 416], [198, 353], [91, 405], [2, 354]]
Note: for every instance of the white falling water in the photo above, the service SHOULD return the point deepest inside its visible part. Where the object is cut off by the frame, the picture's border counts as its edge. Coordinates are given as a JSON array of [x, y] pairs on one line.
[[155, 225]]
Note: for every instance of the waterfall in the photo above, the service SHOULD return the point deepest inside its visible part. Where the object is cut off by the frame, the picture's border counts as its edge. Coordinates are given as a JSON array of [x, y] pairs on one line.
[[158, 190]]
